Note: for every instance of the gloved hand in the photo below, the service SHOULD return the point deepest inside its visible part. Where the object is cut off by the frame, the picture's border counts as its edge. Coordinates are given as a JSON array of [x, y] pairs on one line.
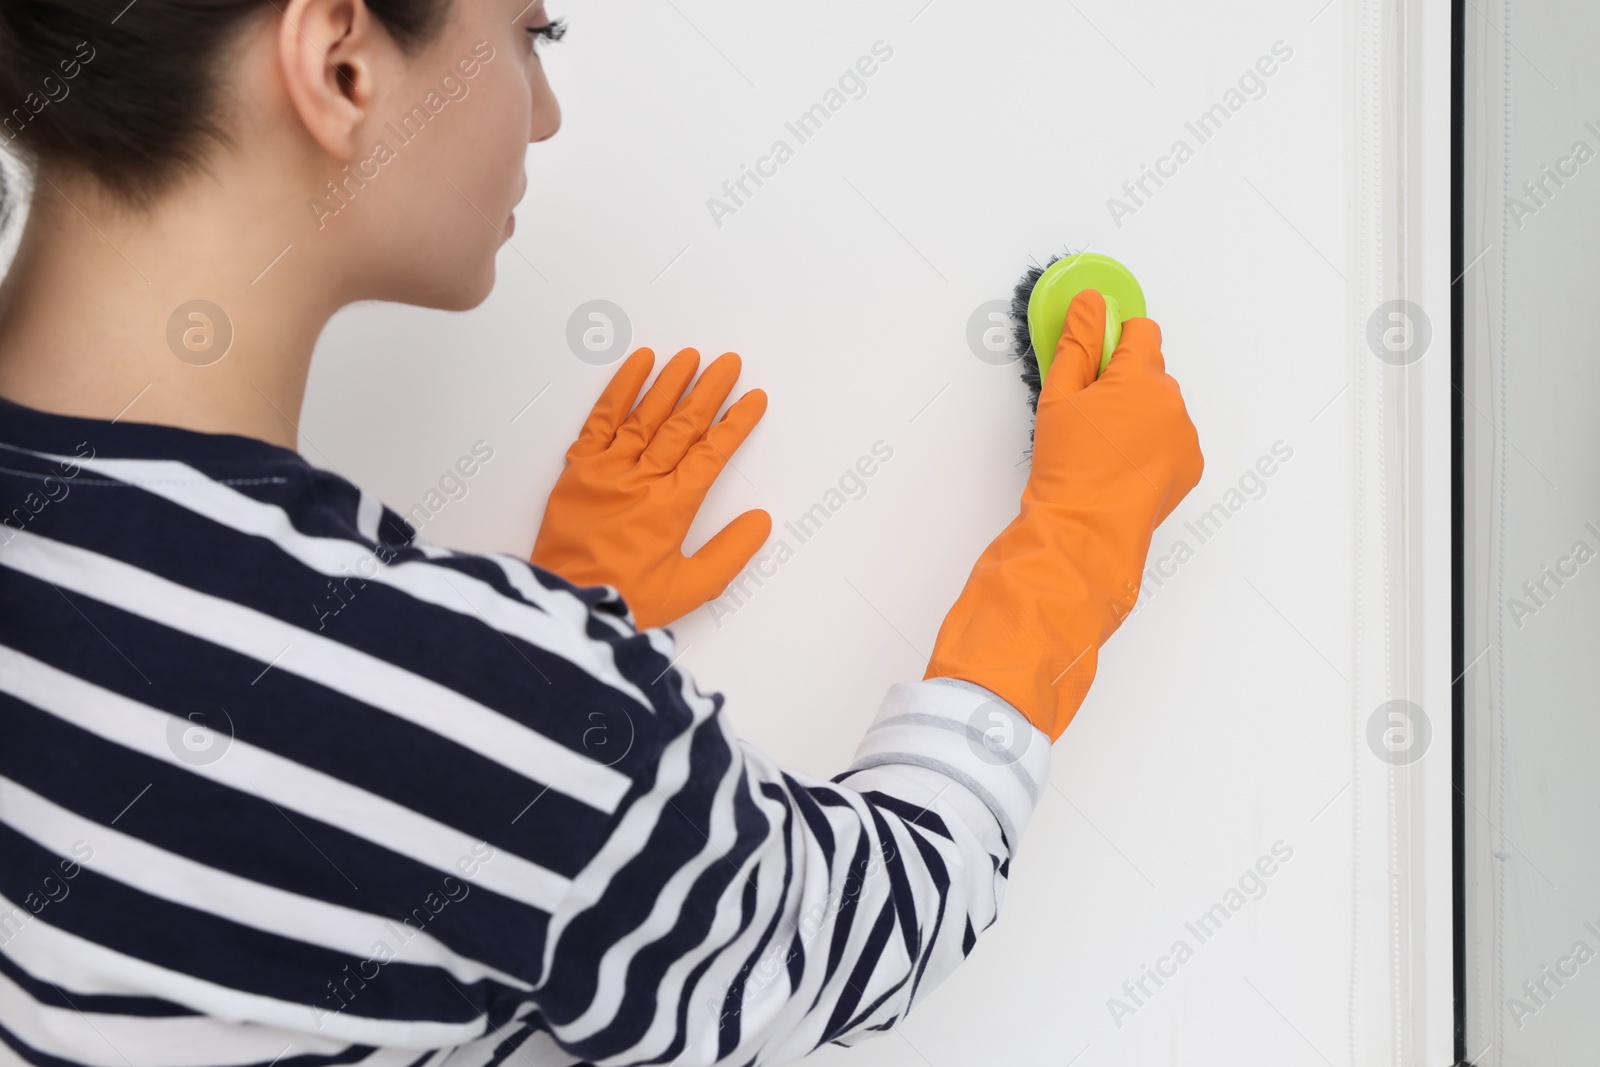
[[633, 483], [1111, 459]]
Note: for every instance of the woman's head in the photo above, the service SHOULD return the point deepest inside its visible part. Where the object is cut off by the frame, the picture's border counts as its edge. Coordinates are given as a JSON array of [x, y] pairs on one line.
[[383, 137]]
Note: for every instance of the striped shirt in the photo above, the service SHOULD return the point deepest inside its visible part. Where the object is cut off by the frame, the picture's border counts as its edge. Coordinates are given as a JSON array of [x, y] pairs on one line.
[[283, 783]]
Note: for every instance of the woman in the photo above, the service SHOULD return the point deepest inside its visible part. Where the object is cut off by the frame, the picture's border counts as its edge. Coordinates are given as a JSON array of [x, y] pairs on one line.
[[282, 781]]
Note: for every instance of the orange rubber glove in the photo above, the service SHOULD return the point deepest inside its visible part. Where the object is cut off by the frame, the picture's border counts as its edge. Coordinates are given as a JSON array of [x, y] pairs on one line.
[[633, 483], [1111, 459]]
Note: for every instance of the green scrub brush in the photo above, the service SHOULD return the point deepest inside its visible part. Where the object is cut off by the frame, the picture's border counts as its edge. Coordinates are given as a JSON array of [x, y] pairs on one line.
[[1039, 309]]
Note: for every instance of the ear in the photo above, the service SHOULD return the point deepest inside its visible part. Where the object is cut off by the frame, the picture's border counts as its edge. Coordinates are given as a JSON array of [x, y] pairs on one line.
[[327, 50]]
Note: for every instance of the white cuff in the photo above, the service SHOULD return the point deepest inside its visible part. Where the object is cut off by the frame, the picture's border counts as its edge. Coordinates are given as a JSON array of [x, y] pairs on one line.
[[967, 734]]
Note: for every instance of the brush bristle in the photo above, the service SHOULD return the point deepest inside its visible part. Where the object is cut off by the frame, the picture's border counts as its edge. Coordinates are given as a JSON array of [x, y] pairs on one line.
[[1021, 342]]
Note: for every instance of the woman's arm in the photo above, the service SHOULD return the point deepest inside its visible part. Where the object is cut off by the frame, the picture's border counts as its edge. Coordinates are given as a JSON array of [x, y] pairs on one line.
[[737, 912]]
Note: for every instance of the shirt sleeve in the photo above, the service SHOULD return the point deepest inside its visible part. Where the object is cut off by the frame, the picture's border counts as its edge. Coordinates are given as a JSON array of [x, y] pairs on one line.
[[740, 913]]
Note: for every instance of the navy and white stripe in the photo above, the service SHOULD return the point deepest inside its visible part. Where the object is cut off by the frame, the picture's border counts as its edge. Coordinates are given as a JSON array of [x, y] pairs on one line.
[[283, 784]]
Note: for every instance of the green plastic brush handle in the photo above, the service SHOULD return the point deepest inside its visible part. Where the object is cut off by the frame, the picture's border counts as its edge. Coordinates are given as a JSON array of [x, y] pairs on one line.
[[1065, 279]]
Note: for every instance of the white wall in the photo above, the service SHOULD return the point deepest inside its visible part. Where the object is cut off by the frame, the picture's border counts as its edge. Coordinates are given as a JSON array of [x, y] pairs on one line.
[[1220, 723]]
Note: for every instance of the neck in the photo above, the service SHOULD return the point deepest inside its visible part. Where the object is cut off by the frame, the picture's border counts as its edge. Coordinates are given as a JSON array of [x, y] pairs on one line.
[[98, 313]]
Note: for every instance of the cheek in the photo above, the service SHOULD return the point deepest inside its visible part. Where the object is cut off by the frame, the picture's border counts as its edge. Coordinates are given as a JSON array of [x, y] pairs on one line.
[[481, 150], [501, 121]]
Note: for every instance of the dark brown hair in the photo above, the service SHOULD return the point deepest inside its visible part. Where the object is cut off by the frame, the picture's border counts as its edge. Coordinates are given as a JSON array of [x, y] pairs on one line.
[[128, 92]]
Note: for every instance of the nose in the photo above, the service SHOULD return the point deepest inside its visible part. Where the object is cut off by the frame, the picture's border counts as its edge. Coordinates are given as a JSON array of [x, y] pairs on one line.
[[546, 122]]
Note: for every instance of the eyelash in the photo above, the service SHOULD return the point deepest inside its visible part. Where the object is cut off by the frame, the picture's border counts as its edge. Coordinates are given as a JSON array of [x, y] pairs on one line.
[[551, 31]]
